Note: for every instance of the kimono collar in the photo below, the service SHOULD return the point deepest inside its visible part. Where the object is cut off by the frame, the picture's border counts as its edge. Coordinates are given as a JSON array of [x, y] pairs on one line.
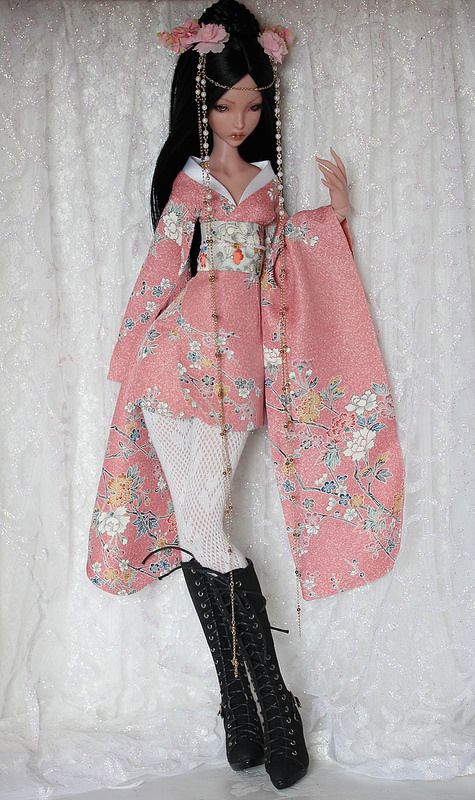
[[192, 168]]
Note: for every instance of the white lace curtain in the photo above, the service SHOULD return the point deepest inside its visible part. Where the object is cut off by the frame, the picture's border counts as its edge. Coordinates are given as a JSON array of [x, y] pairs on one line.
[[95, 689]]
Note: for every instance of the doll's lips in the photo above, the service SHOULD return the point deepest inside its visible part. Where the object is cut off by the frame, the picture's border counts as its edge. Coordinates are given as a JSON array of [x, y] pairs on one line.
[[237, 136]]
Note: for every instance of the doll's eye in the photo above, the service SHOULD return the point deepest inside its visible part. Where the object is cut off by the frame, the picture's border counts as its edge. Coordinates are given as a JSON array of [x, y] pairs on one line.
[[256, 107], [221, 108]]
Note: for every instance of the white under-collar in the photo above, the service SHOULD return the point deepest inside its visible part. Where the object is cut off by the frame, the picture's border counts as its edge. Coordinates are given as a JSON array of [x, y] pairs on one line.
[[193, 169]]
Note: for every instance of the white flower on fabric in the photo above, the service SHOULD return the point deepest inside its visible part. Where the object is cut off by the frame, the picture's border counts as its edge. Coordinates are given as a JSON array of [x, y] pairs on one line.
[[162, 408], [362, 403], [181, 368], [350, 514], [172, 227], [272, 357], [331, 503], [194, 345], [363, 440], [113, 522], [124, 564], [96, 567]]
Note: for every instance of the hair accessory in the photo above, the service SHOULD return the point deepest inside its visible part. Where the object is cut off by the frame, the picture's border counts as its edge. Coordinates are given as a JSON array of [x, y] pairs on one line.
[[274, 41], [242, 88], [211, 38], [178, 39], [208, 38]]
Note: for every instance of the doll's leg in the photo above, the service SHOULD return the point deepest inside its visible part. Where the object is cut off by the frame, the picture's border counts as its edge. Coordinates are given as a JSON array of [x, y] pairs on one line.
[[190, 452]]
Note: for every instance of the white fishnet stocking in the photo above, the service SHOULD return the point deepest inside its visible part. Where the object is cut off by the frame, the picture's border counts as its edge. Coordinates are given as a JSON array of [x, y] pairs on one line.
[[190, 452]]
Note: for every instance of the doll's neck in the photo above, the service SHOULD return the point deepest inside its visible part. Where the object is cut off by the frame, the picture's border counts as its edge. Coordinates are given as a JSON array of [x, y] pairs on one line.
[[226, 159]]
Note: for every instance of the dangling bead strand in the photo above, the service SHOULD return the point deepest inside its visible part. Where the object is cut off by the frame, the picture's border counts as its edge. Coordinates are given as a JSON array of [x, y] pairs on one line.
[[284, 349], [203, 133]]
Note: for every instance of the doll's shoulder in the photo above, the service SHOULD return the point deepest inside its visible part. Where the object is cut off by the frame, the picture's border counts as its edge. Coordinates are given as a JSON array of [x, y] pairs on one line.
[[185, 193]]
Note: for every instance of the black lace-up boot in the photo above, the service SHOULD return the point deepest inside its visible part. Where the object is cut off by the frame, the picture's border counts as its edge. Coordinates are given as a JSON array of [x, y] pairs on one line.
[[244, 741], [286, 756]]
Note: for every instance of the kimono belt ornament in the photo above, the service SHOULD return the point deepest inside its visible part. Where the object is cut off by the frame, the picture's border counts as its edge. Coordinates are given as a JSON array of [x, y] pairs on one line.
[[339, 475]]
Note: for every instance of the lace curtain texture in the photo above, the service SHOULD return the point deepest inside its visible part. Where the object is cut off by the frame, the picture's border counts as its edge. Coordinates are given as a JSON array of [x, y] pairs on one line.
[[98, 690]]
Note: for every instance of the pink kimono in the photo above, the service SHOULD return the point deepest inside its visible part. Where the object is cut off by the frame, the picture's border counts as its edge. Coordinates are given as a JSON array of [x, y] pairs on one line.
[[342, 494]]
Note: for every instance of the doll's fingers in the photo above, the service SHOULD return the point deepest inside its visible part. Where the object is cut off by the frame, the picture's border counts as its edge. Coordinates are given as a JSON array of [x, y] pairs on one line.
[[327, 171], [339, 161], [334, 170], [335, 180], [327, 164]]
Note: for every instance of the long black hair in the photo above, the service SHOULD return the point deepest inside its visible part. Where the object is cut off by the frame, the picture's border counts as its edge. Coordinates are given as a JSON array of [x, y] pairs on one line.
[[242, 55]]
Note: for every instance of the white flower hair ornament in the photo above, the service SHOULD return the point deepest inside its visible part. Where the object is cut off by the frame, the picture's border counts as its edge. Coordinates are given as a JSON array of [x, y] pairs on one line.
[[211, 38]]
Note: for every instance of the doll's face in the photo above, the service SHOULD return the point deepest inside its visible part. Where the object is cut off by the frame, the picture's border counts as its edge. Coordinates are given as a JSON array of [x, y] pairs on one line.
[[236, 113]]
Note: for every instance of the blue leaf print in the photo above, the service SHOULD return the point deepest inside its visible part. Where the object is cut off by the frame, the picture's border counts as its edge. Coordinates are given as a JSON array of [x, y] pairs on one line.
[[332, 456], [383, 475], [378, 426]]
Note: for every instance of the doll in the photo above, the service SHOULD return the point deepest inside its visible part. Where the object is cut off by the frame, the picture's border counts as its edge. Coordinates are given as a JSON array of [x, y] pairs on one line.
[[238, 314]]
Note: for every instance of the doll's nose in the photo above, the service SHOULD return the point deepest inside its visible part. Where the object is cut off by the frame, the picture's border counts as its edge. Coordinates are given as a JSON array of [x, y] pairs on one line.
[[239, 121]]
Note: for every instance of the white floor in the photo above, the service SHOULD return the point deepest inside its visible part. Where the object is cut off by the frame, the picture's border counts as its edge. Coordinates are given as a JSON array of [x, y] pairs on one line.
[[322, 782]]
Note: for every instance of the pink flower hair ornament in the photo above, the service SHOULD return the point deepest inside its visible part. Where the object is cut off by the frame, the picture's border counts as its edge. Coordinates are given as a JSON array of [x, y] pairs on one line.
[[211, 38], [203, 38]]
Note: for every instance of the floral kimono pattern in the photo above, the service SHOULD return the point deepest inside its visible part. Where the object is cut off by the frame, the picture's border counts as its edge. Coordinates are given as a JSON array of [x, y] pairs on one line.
[[340, 475]]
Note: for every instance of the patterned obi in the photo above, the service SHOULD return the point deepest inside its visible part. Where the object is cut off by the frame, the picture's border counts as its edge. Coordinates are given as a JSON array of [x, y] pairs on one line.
[[237, 246]]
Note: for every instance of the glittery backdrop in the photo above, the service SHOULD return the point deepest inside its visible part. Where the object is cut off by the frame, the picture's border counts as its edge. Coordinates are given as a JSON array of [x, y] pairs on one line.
[[95, 689]]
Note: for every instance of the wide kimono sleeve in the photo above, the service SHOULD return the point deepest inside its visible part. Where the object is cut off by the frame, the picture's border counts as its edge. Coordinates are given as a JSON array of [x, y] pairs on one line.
[[339, 465], [164, 273]]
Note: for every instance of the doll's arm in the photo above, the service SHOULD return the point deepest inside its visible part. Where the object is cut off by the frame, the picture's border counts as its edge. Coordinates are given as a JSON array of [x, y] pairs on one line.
[[164, 273]]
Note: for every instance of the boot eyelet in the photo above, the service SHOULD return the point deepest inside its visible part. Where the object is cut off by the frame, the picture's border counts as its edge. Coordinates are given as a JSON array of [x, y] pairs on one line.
[[206, 616], [279, 688], [211, 638], [272, 666], [239, 583], [200, 594], [287, 709], [203, 605], [294, 752], [288, 719], [210, 627], [259, 635], [276, 677], [292, 741], [255, 626], [291, 730], [193, 571]]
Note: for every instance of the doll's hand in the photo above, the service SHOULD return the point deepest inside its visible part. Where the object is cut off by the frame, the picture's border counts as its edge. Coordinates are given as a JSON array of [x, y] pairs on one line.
[[335, 175]]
